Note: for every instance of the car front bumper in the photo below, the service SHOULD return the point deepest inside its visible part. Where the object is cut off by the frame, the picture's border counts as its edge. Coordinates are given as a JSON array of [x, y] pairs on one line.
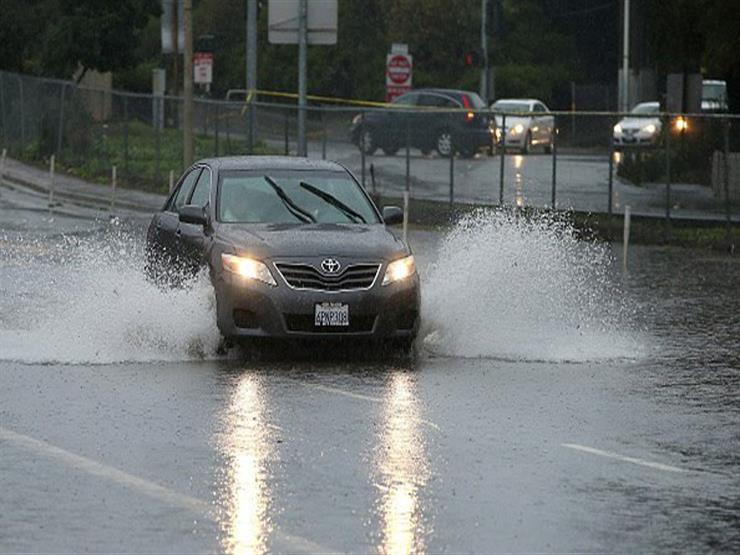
[[248, 309]]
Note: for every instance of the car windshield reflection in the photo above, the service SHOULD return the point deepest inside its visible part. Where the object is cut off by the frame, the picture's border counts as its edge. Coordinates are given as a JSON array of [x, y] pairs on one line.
[[280, 197]]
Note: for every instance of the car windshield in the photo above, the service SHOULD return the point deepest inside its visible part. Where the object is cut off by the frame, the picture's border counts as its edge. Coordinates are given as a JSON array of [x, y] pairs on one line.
[[713, 91], [507, 106], [649, 108], [272, 197]]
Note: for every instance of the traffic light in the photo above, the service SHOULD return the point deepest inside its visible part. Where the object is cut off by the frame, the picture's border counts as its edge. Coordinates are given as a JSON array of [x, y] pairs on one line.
[[471, 58]]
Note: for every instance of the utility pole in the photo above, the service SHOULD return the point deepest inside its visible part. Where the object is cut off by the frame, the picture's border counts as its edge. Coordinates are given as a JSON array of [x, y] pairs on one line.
[[484, 92], [251, 68], [625, 56], [302, 55], [175, 47], [187, 82]]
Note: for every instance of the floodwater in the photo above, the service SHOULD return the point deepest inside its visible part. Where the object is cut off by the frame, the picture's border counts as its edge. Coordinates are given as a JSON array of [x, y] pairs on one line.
[[557, 403]]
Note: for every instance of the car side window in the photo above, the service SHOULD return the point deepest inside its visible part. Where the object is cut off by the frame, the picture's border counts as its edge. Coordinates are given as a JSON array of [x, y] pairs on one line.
[[184, 190], [202, 190], [408, 99], [431, 100]]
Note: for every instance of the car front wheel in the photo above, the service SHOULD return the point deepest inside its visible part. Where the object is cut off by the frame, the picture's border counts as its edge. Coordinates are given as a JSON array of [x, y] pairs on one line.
[[368, 143], [444, 144]]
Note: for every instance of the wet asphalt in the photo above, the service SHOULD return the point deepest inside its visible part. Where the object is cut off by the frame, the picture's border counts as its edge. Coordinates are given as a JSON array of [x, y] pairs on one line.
[[364, 454]]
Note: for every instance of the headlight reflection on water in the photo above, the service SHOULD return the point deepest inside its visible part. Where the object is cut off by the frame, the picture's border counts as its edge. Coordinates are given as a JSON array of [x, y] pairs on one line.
[[245, 496], [402, 469]]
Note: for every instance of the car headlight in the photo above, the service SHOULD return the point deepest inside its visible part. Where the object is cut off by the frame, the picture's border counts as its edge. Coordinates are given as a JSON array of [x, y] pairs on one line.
[[649, 129], [248, 268], [357, 119], [399, 269], [681, 124], [618, 128], [517, 129]]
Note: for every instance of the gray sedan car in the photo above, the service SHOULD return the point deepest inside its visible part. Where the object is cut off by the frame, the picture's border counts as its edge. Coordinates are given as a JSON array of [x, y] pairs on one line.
[[295, 249]]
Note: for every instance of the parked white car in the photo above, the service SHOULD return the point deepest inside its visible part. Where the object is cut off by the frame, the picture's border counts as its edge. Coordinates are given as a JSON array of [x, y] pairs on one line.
[[642, 129], [533, 125]]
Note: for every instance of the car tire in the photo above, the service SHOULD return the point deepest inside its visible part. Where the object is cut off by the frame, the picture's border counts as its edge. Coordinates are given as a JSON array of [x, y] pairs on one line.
[[548, 148], [527, 143], [367, 142], [426, 151], [390, 150], [444, 144]]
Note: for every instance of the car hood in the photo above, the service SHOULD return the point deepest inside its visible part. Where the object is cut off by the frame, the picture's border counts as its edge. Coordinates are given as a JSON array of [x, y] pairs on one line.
[[638, 123], [269, 241]]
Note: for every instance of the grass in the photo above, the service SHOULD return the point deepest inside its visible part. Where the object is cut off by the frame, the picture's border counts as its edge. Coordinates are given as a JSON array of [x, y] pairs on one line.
[[143, 157]]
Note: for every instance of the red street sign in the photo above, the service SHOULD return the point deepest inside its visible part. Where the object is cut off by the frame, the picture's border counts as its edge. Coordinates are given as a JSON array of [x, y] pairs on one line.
[[397, 75], [399, 69], [203, 67]]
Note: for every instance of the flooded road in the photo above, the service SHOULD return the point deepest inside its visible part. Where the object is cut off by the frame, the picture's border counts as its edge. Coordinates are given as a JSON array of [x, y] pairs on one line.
[[556, 404]]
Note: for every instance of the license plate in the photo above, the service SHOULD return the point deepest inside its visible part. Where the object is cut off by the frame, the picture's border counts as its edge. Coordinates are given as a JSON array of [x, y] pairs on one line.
[[331, 314]]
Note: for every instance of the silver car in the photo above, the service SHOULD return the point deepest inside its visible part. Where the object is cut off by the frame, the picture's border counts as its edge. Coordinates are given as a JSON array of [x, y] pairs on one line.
[[641, 129], [528, 123]]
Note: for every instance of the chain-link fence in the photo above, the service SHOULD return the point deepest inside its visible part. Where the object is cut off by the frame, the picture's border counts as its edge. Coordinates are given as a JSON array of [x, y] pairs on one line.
[[673, 166]]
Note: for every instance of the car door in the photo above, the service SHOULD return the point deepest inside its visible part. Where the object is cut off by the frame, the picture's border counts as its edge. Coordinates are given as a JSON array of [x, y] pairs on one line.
[[402, 119], [193, 239], [545, 122], [430, 118], [168, 223]]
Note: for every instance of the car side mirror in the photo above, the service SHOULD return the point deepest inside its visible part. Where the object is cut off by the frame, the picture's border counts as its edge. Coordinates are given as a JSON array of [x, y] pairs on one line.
[[192, 214], [392, 215]]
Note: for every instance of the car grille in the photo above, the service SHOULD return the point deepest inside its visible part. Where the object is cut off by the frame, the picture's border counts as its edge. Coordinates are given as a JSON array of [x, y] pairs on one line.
[[305, 323], [304, 276]]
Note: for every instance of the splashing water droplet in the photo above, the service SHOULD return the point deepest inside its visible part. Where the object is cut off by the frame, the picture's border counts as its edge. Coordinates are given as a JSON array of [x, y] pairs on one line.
[[525, 288]]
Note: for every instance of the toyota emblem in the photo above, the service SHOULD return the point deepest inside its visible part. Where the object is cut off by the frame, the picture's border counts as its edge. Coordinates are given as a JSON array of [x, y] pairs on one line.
[[330, 265]]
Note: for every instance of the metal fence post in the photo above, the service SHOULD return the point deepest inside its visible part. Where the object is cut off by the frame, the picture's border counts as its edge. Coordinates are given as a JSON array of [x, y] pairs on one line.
[[113, 183], [554, 164], [611, 178], [286, 131], [668, 171], [22, 112], [125, 136], [362, 150], [217, 126], [408, 159], [726, 168], [52, 161], [60, 128], [323, 135], [2, 107], [158, 153], [372, 181], [503, 159], [452, 178], [407, 188]]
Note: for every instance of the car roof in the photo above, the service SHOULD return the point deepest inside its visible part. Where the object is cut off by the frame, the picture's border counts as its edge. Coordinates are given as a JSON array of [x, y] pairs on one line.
[[270, 162], [444, 91], [526, 100], [713, 82], [651, 103]]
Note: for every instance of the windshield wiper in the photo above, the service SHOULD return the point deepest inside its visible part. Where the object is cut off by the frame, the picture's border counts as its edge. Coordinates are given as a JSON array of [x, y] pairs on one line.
[[335, 202], [293, 208]]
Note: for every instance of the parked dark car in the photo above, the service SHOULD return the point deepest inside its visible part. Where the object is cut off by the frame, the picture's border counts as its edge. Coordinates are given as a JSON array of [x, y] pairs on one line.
[[294, 248], [444, 120]]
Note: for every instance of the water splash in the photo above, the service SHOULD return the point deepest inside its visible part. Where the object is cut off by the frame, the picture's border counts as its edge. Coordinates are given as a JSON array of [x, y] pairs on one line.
[[87, 301], [524, 288]]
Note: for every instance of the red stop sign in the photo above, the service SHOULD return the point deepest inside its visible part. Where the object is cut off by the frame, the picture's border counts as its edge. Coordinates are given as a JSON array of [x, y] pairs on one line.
[[399, 69]]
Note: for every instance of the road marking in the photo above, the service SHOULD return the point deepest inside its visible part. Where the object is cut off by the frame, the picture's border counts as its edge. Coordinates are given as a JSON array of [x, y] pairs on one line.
[[617, 456], [151, 489], [361, 397]]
